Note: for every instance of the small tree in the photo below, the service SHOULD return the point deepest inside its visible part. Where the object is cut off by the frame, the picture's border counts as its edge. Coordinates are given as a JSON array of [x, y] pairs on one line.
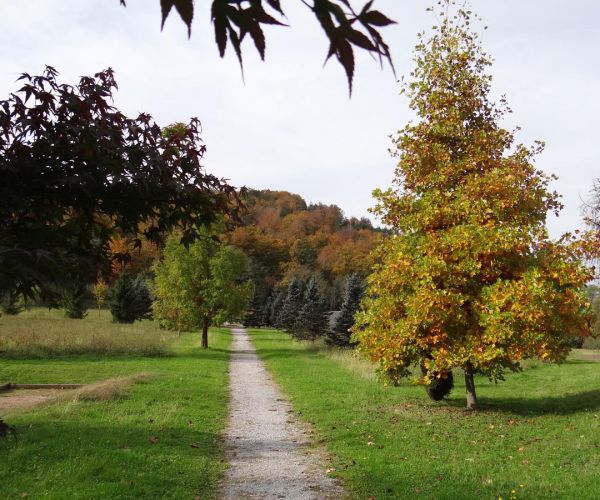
[[353, 292], [470, 279], [276, 305], [291, 306], [11, 303], [254, 313], [73, 298], [99, 291], [311, 321], [129, 299], [201, 285]]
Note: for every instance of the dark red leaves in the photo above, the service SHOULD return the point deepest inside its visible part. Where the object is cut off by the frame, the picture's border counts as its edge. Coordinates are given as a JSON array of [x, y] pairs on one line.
[[234, 19]]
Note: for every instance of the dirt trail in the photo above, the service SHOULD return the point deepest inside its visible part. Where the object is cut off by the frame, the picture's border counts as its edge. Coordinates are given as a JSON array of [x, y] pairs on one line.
[[267, 449]]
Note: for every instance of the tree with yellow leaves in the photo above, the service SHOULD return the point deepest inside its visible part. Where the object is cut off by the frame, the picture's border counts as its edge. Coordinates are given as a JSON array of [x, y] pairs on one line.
[[470, 279]]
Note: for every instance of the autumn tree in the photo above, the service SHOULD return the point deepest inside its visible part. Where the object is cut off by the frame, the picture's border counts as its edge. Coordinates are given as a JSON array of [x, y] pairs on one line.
[[76, 172], [200, 285], [344, 27], [470, 278]]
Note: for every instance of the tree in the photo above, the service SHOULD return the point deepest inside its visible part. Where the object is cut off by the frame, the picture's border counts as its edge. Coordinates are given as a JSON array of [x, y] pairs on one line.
[[352, 296], [276, 305], [129, 299], [344, 27], [200, 285], [470, 278], [75, 172], [254, 314], [291, 306], [99, 291], [311, 321]]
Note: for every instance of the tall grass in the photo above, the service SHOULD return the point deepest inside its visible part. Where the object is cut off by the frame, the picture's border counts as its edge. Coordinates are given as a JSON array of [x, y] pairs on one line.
[[40, 333]]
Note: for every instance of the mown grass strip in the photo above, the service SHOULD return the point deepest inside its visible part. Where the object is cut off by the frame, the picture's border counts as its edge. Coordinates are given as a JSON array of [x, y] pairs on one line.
[[536, 437], [158, 437]]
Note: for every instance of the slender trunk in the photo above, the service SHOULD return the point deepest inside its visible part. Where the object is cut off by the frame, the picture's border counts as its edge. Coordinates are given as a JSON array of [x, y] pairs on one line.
[[470, 386], [205, 333]]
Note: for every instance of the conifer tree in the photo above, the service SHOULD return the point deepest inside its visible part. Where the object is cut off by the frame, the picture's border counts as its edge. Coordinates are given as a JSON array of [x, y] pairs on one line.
[[470, 279], [353, 292], [291, 306], [276, 305], [253, 316], [311, 321], [129, 299]]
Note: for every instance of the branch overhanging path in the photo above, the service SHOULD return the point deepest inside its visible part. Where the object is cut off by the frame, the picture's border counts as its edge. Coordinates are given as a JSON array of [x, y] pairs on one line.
[[267, 450]]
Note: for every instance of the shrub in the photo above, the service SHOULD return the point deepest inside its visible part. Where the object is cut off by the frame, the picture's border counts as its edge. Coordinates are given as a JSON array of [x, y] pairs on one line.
[[129, 299], [11, 303], [73, 299]]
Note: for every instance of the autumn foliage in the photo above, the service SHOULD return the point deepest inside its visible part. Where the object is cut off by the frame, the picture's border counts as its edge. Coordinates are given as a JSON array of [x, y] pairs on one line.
[[470, 279]]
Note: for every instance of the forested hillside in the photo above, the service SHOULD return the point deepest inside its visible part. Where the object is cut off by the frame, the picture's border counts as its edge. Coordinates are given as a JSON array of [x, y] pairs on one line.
[[286, 238]]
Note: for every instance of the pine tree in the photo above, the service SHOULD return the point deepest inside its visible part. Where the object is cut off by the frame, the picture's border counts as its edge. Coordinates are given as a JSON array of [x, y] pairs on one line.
[[276, 305], [470, 280], [265, 310], [311, 321], [129, 299], [353, 292], [254, 316], [291, 306]]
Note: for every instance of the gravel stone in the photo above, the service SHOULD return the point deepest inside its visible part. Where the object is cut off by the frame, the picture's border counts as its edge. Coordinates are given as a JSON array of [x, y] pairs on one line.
[[267, 448]]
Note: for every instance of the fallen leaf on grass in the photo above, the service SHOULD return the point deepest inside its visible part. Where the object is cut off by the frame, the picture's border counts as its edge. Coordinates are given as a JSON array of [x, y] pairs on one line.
[[154, 439], [525, 462], [195, 445], [370, 443]]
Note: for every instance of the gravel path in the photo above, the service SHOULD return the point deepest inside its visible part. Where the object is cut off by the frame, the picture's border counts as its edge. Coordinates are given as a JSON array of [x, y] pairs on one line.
[[267, 448]]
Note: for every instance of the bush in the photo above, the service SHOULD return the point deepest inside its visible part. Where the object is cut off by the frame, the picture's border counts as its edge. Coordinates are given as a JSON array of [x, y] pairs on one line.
[[129, 299], [73, 299], [11, 303]]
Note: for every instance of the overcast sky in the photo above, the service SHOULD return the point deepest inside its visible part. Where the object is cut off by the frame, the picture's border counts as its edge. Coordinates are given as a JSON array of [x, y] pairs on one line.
[[291, 126]]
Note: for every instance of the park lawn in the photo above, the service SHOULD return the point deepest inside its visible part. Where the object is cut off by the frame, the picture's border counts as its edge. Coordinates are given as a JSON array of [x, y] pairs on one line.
[[161, 440], [537, 436]]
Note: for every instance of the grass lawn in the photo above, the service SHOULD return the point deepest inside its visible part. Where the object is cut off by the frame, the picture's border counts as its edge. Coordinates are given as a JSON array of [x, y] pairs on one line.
[[160, 439], [537, 436]]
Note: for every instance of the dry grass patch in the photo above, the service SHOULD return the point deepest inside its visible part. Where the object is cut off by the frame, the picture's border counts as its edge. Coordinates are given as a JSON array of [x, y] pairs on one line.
[[112, 388], [41, 333]]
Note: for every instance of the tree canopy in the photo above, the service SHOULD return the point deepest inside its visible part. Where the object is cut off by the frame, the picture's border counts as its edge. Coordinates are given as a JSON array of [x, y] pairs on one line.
[[201, 285], [344, 27], [470, 279], [75, 172]]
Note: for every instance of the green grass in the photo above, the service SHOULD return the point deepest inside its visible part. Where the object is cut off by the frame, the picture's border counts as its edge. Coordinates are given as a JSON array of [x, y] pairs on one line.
[[159, 438], [537, 436]]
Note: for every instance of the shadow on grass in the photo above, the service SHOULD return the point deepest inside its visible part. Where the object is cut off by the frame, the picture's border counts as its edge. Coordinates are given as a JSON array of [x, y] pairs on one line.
[[536, 406]]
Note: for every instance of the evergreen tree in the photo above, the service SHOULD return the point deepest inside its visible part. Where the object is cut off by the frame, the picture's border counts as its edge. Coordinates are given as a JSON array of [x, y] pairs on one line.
[[353, 293], [11, 302], [254, 316], [74, 299], [129, 299], [291, 306], [265, 310], [311, 321], [276, 305]]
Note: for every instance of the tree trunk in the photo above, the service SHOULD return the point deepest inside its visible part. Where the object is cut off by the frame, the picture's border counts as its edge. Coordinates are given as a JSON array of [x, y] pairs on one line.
[[470, 386], [205, 334]]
